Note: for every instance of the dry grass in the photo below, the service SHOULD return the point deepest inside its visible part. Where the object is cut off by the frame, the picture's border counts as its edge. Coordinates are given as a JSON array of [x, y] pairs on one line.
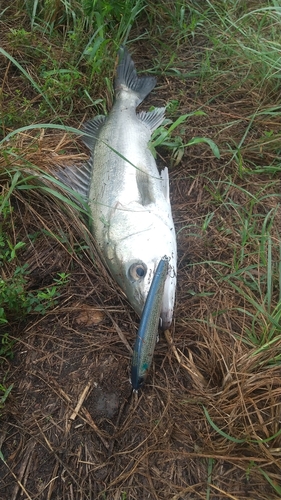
[[207, 423], [72, 428]]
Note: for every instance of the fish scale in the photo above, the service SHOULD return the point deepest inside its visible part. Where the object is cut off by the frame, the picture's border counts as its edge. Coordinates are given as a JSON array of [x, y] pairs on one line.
[[131, 217]]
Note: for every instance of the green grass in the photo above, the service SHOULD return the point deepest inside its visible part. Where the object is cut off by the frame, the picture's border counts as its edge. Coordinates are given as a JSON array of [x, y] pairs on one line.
[[245, 40], [4, 393], [254, 273], [226, 59], [16, 299], [164, 137], [68, 63]]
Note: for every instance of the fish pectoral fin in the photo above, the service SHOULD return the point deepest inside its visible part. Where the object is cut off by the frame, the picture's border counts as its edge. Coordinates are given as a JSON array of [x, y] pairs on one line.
[[152, 119], [91, 131], [145, 188], [77, 178]]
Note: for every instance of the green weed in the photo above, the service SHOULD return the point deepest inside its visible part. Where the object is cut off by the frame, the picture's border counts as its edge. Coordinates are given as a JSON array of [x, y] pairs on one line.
[[7, 344], [71, 63], [255, 271], [178, 18], [163, 136], [16, 299], [211, 462], [61, 86], [243, 40], [20, 37], [234, 439], [4, 393], [272, 483]]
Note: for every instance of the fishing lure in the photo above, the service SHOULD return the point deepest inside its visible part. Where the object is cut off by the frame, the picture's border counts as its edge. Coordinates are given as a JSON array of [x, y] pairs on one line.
[[148, 329]]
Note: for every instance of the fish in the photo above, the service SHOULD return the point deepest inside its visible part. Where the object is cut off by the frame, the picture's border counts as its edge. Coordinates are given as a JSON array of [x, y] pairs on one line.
[[148, 329], [128, 198]]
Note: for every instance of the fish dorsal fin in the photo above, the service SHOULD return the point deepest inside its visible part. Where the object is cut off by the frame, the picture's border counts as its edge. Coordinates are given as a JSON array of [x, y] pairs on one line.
[[91, 131], [152, 119], [127, 77], [145, 188], [77, 178], [165, 183]]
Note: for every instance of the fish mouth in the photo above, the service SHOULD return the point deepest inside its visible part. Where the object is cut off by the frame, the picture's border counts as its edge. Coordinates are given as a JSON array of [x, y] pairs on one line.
[[148, 329], [168, 302]]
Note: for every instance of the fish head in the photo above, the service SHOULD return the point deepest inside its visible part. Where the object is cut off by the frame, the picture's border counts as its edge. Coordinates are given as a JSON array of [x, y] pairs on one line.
[[134, 261]]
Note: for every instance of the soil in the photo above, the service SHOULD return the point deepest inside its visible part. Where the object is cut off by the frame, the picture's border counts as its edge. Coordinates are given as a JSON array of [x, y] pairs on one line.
[[72, 428]]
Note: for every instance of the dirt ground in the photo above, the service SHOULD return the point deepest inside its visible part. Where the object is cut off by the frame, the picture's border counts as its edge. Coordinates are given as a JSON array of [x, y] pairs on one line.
[[72, 429]]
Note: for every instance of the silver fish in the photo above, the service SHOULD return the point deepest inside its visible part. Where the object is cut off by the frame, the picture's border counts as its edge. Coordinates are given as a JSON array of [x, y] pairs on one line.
[[148, 329], [127, 196]]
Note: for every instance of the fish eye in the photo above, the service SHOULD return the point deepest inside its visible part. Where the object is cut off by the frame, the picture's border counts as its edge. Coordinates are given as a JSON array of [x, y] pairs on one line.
[[137, 271]]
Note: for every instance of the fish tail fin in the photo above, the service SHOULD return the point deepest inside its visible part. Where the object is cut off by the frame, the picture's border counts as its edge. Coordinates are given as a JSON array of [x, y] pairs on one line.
[[127, 76]]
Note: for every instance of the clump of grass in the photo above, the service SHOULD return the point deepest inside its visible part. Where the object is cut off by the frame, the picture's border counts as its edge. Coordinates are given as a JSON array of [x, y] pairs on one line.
[[68, 67], [16, 299], [243, 39], [4, 393], [21, 295], [163, 136], [250, 231]]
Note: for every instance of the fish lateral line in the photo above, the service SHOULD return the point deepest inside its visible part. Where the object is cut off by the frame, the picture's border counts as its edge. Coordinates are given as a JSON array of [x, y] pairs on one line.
[[125, 159]]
